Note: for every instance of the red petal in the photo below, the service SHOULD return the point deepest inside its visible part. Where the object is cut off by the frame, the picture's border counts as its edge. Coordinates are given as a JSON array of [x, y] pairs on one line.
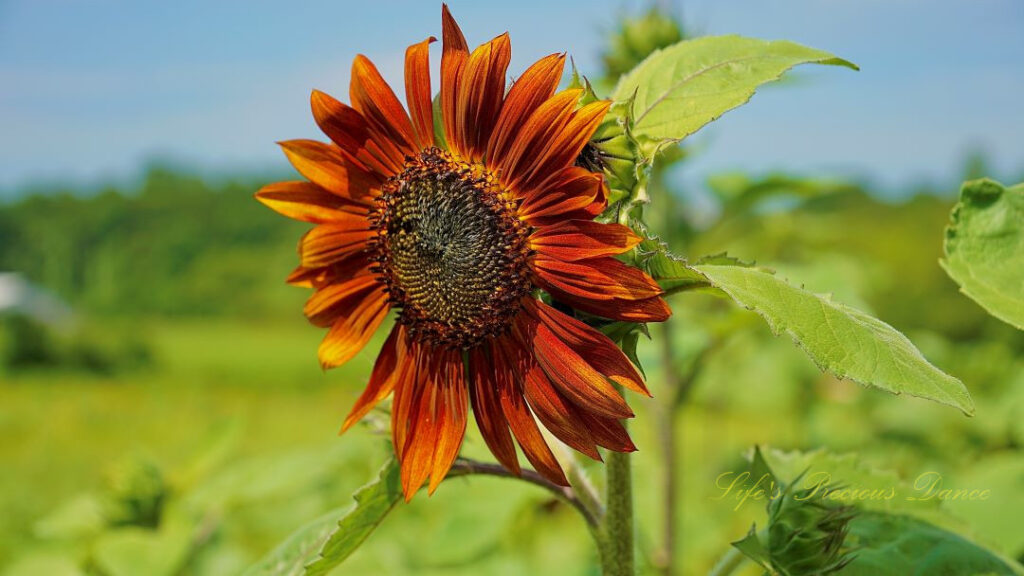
[[383, 378], [562, 148], [536, 135], [481, 90], [535, 86], [570, 194], [483, 395], [451, 408], [389, 125], [582, 239], [556, 413], [352, 331], [454, 55], [348, 129], [602, 278], [590, 344], [407, 389], [417, 91], [607, 432], [521, 421], [571, 374]]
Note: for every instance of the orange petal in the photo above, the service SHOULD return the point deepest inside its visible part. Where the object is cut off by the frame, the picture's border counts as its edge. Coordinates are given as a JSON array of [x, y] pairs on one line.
[[481, 90], [389, 125], [407, 389], [592, 345], [646, 310], [308, 202], [303, 277], [535, 86], [417, 91], [570, 194], [483, 395], [324, 166], [535, 137], [571, 374], [451, 413], [521, 421], [454, 54], [330, 243], [347, 128], [352, 331], [418, 452], [382, 380], [334, 300], [563, 147], [556, 413], [581, 239]]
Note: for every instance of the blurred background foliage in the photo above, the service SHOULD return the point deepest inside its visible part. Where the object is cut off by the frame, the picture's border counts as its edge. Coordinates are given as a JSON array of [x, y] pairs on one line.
[[173, 419]]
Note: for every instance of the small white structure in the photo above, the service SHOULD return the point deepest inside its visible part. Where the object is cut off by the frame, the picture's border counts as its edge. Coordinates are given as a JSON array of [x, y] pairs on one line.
[[19, 296]]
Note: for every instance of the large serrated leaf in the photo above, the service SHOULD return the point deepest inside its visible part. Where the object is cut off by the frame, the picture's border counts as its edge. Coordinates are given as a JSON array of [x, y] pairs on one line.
[[896, 545], [687, 85], [840, 339], [373, 502], [985, 248]]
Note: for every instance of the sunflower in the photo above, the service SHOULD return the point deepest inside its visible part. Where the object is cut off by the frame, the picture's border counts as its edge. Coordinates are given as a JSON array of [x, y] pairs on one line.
[[457, 223]]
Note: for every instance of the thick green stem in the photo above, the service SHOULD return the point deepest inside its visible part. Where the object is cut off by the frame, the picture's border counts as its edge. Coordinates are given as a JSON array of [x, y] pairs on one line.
[[616, 549]]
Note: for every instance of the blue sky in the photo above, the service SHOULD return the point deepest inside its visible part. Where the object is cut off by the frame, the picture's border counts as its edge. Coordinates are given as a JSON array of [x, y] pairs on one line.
[[91, 90]]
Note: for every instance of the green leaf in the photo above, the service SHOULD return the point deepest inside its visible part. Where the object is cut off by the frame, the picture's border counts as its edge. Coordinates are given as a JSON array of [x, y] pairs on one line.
[[373, 502], [896, 545], [687, 85], [753, 549], [840, 339], [985, 248], [302, 547], [672, 272]]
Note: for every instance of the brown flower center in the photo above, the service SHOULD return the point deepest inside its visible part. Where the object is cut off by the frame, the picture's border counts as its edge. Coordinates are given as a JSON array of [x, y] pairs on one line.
[[451, 250]]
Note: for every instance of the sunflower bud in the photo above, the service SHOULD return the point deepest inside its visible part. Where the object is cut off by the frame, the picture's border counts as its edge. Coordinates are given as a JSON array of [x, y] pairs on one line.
[[805, 536], [636, 38]]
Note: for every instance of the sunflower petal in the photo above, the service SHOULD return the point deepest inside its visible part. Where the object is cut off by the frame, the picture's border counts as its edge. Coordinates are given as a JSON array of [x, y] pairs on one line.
[[556, 413], [483, 395], [390, 127], [454, 54], [385, 373], [481, 90], [417, 91], [570, 195], [330, 243], [323, 165], [451, 409], [521, 421], [334, 300], [590, 344], [308, 202], [602, 278], [347, 128], [582, 239], [573, 376], [534, 138], [563, 147], [535, 86], [352, 331]]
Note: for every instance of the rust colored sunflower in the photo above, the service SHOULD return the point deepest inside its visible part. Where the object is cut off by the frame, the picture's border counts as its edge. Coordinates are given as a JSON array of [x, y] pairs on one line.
[[457, 227]]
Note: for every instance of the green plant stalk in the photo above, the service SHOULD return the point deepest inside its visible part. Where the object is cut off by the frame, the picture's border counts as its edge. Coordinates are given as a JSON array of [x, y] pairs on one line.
[[616, 546], [730, 561]]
